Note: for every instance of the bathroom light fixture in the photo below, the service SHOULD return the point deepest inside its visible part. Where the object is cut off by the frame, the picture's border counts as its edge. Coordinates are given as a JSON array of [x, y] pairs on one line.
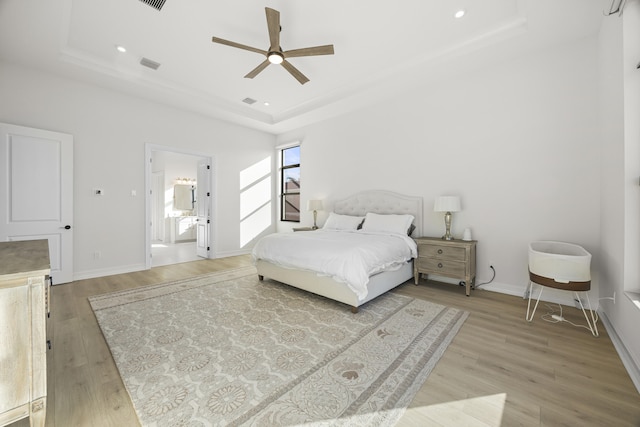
[[460, 13], [315, 206], [186, 181], [447, 204]]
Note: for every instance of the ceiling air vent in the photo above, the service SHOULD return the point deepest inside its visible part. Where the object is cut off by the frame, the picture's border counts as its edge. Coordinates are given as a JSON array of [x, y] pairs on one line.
[[249, 101], [156, 4], [149, 63]]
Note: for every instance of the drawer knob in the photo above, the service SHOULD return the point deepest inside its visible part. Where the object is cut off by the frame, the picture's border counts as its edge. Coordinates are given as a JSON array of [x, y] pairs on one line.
[[439, 265], [440, 251]]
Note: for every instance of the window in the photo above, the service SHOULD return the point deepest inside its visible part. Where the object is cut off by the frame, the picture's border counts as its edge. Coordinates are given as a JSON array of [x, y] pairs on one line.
[[290, 184]]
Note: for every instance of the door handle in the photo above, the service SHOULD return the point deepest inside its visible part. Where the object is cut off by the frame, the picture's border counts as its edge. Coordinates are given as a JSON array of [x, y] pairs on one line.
[[67, 227]]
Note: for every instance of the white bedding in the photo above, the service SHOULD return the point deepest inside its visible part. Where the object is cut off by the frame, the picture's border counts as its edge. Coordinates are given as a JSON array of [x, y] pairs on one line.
[[350, 257]]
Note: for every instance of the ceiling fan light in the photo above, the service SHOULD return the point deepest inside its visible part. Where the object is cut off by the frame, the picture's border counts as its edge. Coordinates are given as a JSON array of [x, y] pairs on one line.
[[275, 57]]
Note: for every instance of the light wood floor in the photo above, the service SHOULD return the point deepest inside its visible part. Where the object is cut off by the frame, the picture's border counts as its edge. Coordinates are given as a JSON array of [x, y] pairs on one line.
[[498, 371]]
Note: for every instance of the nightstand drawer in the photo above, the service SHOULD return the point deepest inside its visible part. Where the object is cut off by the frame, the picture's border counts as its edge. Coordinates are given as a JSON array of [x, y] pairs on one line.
[[455, 259], [442, 252], [441, 266]]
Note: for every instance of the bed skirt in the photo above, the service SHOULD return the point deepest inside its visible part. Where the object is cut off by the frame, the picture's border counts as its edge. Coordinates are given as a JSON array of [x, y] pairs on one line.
[[329, 288]]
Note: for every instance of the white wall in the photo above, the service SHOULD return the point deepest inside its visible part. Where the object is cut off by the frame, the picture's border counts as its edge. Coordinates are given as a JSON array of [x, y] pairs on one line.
[[619, 51], [110, 131], [519, 142]]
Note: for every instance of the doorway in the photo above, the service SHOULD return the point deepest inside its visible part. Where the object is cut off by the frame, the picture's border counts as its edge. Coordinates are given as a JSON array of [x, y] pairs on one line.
[[179, 204], [36, 192]]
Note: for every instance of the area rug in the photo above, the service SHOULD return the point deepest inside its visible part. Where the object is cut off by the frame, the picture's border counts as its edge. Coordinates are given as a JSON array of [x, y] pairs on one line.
[[226, 349]]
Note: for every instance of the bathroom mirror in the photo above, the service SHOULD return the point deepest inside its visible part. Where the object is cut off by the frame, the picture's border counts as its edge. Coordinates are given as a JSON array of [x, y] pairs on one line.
[[183, 197]]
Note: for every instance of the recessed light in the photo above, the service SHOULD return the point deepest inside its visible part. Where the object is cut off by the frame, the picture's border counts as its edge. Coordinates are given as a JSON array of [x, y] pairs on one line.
[[460, 13], [266, 104], [121, 49]]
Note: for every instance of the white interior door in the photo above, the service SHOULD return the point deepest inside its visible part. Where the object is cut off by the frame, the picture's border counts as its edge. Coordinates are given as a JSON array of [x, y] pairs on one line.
[[157, 206], [36, 188], [203, 206]]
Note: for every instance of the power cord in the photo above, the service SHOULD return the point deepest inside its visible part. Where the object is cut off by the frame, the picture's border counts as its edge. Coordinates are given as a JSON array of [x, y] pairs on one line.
[[552, 317], [486, 283]]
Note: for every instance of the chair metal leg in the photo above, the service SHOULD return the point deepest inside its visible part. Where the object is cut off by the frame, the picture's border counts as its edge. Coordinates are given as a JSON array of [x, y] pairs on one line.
[[593, 326], [530, 318]]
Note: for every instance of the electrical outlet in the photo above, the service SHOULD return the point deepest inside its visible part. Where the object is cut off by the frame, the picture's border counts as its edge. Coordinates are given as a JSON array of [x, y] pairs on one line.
[[577, 302], [97, 255]]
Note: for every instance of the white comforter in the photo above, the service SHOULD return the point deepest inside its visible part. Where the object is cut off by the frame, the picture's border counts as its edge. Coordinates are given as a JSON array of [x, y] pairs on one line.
[[349, 257]]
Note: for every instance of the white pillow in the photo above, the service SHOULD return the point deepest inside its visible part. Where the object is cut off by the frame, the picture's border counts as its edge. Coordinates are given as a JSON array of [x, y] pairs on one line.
[[392, 223], [342, 222]]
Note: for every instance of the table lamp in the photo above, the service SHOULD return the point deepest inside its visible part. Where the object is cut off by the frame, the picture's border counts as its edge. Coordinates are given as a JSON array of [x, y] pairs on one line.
[[315, 206], [447, 204]]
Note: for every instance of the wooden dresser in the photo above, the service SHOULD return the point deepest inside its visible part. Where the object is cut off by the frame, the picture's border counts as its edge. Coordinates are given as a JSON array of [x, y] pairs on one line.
[[448, 258], [24, 292]]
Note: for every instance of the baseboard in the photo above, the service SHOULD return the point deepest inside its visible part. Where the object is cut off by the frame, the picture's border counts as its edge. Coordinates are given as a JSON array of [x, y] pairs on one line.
[[92, 274], [625, 356], [226, 254], [549, 295], [503, 288]]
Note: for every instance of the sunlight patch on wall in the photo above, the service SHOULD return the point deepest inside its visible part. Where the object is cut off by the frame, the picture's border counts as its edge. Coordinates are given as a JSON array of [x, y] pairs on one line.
[[255, 224], [254, 197], [254, 173], [255, 200]]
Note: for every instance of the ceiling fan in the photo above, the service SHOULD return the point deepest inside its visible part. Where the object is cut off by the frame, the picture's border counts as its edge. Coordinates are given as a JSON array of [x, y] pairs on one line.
[[275, 54]]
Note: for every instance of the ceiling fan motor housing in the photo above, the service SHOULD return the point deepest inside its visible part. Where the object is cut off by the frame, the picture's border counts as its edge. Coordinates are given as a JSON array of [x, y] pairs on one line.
[[275, 57]]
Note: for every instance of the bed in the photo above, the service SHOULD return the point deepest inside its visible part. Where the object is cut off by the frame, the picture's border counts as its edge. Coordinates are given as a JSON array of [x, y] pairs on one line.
[[358, 205]]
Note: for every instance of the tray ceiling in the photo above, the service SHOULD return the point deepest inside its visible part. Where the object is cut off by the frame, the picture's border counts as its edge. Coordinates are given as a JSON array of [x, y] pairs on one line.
[[381, 48]]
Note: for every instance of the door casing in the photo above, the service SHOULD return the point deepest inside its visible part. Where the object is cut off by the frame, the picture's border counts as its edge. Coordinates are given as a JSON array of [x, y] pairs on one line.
[[149, 149]]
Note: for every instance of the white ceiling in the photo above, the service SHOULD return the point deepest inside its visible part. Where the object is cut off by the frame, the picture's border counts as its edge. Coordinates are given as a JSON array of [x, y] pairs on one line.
[[381, 47]]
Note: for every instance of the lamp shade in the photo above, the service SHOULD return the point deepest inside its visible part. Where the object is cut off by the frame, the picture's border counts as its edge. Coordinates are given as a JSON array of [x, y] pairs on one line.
[[447, 204], [314, 205]]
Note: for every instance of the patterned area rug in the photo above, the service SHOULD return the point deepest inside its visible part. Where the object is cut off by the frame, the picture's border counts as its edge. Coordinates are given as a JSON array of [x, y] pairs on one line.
[[225, 349]]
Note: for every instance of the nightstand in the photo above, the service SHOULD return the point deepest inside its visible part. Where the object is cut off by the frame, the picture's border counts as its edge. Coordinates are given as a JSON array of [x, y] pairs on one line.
[[448, 258]]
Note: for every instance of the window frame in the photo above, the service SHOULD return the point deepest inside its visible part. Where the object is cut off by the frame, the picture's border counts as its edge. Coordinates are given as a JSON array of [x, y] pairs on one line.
[[284, 192]]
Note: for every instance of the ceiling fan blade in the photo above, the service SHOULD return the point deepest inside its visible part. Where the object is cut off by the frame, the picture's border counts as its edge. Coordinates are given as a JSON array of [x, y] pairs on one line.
[[295, 72], [238, 45], [257, 70], [310, 51], [273, 25]]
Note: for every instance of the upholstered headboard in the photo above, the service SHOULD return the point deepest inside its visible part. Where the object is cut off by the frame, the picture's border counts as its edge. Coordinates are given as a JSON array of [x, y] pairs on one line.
[[382, 202]]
